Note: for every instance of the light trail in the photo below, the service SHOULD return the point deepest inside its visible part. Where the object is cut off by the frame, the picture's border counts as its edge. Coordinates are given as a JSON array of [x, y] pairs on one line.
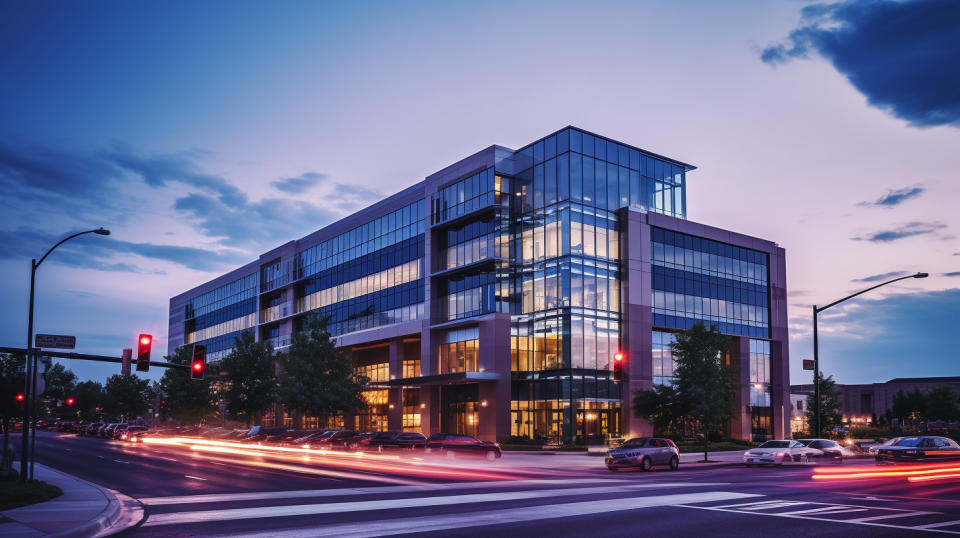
[[913, 472]]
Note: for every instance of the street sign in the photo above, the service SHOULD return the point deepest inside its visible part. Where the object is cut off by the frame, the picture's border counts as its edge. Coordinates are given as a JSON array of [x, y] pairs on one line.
[[807, 364], [126, 358], [55, 341]]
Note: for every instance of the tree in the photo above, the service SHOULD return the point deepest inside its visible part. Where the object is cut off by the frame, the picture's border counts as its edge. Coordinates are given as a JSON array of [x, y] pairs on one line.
[[186, 400], [705, 383], [12, 378], [831, 405], [917, 404], [315, 377], [661, 407], [89, 399], [251, 384], [60, 383], [901, 406], [127, 395], [942, 404]]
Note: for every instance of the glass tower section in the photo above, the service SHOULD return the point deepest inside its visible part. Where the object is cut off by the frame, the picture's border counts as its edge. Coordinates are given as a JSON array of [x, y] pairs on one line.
[[215, 318]]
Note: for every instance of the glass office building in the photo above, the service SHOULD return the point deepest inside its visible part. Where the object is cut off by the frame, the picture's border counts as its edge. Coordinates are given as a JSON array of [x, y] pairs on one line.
[[490, 298]]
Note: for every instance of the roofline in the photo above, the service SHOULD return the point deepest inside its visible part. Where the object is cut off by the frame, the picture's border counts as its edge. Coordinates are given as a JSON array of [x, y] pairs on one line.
[[687, 166]]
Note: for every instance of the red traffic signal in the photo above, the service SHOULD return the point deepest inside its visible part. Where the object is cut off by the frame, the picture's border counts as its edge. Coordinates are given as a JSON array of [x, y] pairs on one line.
[[144, 342], [198, 365], [71, 401], [618, 366], [20, 397]]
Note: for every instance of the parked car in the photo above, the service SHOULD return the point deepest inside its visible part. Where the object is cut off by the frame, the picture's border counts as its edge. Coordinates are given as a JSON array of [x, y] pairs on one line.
[[313, 439], [873, 449], [118, 431], [778, 452], [927, 448], [644, 452], [131, 432], [90, 429], [456, 445], [285, 437], [381, 441], [831, 450], [258, 433], [336, 441], [66, 426]]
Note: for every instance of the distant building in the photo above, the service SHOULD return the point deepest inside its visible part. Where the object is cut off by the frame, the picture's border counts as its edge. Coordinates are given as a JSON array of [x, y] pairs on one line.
[[861, 403]]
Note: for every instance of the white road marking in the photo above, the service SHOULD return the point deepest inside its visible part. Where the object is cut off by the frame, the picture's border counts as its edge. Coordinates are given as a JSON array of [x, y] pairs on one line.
[[120, 461], [387, 527], [941, 524], [101, 457], [891, 516], [195, 477], [163, 458], [233, 514], [824, 510], [375, 490]]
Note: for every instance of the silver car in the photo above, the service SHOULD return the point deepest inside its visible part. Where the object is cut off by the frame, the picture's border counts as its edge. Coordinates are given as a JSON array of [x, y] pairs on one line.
[[644, 452]]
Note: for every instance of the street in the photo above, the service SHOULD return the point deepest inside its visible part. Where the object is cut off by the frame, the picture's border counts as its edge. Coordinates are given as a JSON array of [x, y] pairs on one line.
[[196, 492]]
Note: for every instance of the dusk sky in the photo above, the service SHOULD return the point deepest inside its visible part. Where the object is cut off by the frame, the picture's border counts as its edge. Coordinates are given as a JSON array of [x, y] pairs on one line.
[[203, 133]]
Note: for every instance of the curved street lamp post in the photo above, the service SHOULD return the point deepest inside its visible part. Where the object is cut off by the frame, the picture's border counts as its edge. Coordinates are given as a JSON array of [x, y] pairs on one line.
[[30, 382], [816, 357]]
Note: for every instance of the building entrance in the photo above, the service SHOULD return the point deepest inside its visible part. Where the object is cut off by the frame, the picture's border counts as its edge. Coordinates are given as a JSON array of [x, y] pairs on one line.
[[460, 405]]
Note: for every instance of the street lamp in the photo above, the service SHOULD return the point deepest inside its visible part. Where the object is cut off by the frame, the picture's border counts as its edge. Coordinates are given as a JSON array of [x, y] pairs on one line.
[[31, 366], [816, 358]]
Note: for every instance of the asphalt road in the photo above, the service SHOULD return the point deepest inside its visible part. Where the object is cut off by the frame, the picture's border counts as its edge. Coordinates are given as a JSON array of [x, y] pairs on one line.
[[188, 492]]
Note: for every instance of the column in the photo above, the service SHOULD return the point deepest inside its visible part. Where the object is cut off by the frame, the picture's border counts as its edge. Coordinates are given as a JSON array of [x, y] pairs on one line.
[[395, 397]]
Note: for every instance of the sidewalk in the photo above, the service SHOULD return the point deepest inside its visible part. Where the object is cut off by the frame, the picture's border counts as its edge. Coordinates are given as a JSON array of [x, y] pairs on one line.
[[83, 510]]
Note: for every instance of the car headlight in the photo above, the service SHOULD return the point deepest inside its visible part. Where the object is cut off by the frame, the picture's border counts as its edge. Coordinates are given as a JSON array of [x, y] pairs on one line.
[[911, 452], [782, 454]]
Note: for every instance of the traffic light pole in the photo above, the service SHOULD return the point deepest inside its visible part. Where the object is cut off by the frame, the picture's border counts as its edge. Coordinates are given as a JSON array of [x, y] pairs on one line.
[[86, 357], [28, 383]]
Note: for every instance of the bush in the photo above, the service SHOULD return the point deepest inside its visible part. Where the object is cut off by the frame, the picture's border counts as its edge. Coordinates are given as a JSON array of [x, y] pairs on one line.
[[14, 494]]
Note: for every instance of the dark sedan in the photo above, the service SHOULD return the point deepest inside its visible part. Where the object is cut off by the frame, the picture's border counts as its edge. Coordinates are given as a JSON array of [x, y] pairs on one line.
[[924, 449], [395, 440], [456, 445], [832, 450]]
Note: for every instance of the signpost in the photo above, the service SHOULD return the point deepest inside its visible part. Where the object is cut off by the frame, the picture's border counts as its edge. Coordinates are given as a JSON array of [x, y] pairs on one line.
[[55, 341]]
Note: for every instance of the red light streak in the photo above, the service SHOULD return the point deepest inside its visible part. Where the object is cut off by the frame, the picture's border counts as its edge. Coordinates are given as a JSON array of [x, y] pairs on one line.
[[913, 473]]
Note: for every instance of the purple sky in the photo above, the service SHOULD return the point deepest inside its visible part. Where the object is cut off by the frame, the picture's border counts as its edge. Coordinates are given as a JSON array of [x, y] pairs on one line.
[[176, 124]]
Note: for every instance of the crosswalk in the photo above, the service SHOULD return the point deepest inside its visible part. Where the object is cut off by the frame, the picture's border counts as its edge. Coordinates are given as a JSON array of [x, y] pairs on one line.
[[391, 510], [404, 509]]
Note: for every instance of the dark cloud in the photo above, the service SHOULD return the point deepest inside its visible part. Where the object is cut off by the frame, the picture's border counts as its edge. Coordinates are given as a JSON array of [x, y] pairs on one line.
[[299, 184], [909, 229], [952, 273], [882, 276], [901, 55], [102, 253], [895, 197], [158, 170], [254, 224]]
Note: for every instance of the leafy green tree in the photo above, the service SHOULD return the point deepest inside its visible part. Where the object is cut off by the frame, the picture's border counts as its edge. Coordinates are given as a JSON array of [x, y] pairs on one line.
[[127, 395], [942, 404], [251, 385], [901, 406], [11, 383], [705, 384], [661, 407], [316, 378], [831, 405], [60, 383], [90, 398], [917, 404], [187, 400]]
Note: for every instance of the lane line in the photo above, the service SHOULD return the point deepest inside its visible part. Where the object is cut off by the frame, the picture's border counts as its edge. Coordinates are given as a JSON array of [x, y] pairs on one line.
[[195, 477], [374, 490], [387, 527], [941, 524], [891, 516], [120, 461], [233, 514]]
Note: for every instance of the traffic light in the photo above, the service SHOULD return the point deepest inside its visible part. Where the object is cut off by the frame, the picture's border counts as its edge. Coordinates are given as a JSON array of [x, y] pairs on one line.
[[143, 352], [199, 363], [20, 397], [618, 366], [71, 401]]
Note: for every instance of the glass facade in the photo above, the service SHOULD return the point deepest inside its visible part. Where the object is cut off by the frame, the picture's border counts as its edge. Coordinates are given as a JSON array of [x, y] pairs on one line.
[[663, 361], [761, 410], [215, 318], [696, 279]]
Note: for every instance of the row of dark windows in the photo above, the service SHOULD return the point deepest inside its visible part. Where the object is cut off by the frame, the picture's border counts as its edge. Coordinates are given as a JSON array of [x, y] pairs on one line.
[[222, 342], [379, 301], [466, 281], [221, 315], [678, 322], [690, 242], [385, 258], [568, 384], [714, 287], [472, 230]]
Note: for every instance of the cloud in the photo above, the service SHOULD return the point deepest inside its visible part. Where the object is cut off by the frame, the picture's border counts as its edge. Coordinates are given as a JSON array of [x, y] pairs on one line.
[[101, 253], [299, 184], [952, 273], [909, 229], [895, 197], [901, 55], [882, 276]]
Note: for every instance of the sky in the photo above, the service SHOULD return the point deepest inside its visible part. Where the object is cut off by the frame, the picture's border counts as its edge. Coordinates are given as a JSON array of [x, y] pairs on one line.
[[204, 133]]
